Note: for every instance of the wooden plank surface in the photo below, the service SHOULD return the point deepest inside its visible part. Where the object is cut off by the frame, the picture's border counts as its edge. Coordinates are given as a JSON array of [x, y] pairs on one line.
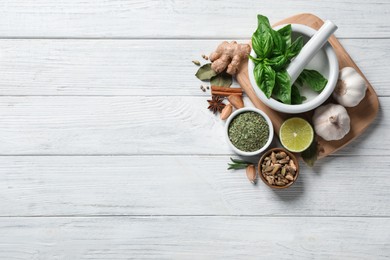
[[133, 125], [108, 151], [194, 238], [181, 18], [136, 67], [186, 185]]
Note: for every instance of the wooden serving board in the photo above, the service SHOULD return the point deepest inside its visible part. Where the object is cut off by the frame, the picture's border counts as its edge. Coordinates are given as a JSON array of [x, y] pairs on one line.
[[361, 116]]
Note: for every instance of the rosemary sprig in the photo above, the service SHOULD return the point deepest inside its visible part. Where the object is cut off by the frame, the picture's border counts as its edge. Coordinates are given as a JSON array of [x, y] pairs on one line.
[[238, 164]]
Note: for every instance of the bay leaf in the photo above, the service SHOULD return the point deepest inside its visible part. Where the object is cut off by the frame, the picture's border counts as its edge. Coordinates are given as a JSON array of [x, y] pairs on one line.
[[205, 72], [222, 80]]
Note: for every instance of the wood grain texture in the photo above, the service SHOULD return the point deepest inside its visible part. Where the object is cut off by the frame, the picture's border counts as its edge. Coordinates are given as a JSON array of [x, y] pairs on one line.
[[194, 238], [114, 79], [180, 19], [132, 125], [137, 67], [186, 185]]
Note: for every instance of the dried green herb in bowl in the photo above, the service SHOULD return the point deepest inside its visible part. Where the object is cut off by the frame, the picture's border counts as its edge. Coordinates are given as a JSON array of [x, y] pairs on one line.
[[249, 131]]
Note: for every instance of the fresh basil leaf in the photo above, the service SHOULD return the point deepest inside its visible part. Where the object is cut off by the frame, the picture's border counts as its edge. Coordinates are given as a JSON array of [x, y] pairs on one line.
[[277, 62], [299, 81], [268, 83], [262, 39], [205, 72], [285, 32], [258, 73], [282, 89], [279, 44], [262, 43], [295, 48], [265, 78], [222, 79], [313, 79], [274, 50], [296, 97], [255, 60], [263, 20]]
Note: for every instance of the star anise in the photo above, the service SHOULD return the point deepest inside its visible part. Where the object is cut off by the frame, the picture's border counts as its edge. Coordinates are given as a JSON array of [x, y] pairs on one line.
[[215, 104]]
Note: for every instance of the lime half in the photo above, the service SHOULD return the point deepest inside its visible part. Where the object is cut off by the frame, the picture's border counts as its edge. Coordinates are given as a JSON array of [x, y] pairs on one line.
[[296, 134]]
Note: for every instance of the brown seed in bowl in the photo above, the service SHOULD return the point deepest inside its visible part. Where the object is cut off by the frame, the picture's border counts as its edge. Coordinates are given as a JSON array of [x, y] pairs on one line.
[[281, 155], [289, 177], [273, 157], [292, 164], [284, 161], [278, 168]]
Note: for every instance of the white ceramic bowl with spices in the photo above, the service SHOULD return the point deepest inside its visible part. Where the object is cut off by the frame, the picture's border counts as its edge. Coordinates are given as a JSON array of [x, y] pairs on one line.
[[325, 62], [267, 140]]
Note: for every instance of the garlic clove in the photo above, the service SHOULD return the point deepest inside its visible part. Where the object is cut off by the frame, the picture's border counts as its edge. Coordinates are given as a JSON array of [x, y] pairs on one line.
[[251, 173], [226, 111]]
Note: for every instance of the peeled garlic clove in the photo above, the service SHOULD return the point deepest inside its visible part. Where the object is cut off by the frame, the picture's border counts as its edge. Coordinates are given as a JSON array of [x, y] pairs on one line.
[[251, 173], [226, 111]]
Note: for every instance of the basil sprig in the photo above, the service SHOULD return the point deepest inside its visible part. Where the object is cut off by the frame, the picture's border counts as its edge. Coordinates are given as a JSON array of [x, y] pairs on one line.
[[275, 50]]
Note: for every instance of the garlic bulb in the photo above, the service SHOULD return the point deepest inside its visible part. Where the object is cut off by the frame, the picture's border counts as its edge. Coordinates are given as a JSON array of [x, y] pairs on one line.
[[350, 89], [331, 122]]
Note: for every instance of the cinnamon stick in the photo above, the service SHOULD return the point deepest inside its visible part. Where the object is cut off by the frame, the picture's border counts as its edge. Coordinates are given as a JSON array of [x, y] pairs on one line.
[[225, 94], [223, 91]]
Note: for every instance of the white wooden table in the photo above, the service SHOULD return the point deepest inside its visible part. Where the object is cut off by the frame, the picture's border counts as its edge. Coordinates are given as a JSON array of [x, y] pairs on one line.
[[108, 151]]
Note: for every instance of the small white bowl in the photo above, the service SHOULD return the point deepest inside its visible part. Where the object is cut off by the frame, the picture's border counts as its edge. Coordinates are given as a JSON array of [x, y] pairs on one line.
[[267, 119], [325, 62]]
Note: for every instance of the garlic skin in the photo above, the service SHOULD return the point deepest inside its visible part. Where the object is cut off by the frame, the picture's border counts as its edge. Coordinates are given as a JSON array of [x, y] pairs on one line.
[[351, 88], [331, 122]]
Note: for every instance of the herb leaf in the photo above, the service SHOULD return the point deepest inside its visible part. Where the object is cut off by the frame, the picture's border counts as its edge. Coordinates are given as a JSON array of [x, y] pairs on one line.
[[278, 62], [222, 79], [265, 78], [255, 60], [310, 154], [299, 81], [262, 43], [269, 80], [279, 43], [262, 40], [313, 79], [263, 21], [285, 32], [296, 97], [205, 72], [295, 48], [274, 50], [258, 72], [282, 90], [237, 164]]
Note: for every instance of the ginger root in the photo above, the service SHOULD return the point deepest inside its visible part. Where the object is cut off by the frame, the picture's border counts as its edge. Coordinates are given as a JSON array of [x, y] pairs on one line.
[[229, 55]]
